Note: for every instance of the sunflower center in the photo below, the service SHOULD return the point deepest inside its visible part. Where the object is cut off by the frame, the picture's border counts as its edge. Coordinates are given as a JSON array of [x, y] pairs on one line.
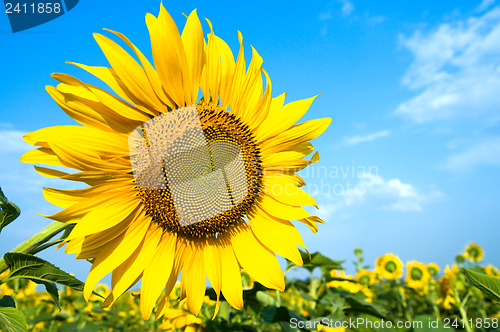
[[390, 267], [198, 169], [416, 274]]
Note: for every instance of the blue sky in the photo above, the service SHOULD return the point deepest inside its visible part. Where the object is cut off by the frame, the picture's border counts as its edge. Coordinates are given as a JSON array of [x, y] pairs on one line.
[[412, 88]]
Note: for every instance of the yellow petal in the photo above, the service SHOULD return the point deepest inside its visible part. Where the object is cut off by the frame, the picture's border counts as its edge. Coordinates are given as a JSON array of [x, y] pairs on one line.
[[213, 267], [169, 56], [278, 235], [129, 271], [41, 156], [285, 190], [260, 262], [232, 288], [50, 173], [194, 279], [104, 216], [282, 211], [311, 222], [130, 73], [114, 107], [238, 81], [211, 76], [151, 73], [179, 259], [108, 76], [260, 111], [194, 43], [77, 211], [297, 134], [156, 274], [112, 256], [226, 70], [280, 119], [291, 165], [90, 246], [275, 155], [85, 112], [66, 198]]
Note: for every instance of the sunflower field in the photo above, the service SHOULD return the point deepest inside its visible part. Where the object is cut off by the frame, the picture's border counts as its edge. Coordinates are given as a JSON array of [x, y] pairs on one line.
[[389, 296]]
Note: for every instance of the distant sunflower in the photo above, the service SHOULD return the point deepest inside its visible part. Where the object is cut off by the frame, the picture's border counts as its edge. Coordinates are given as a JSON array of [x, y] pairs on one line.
[[389, 266], [365, 277], [474, 252], [206, 186], [492, 271], [417, 275], [433, 269], [447, 287]]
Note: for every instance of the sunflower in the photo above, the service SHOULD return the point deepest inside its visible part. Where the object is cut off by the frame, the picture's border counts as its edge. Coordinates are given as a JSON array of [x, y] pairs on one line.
[[177, 317], [417, 275], [365, 277], [447, 286], [348, 285], [473, 252], [389, 266], [433, 268], [492, 271], [174, 182]]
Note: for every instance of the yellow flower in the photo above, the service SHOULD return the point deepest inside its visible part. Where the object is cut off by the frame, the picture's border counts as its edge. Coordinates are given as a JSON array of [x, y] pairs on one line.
[[18, 288], [433, 269], [492, 271], [389, 266], [175, 183], [473, 252], [178, 317], [365, 277], [417, 275], [350, 286], [446, 286]]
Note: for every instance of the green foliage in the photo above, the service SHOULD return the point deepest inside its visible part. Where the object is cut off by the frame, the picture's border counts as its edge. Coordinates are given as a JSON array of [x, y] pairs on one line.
[[41, 272], [7, 301], [8, 211], [12, 320], [318, 260], [489, 285]]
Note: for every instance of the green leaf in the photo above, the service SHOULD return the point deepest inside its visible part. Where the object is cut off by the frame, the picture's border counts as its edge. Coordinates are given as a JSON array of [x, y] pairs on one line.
[[318, 260], [7, 301], [12, 320], [357, 306], [265, 298], [9, 211], [490, 286], [40, 271], [51, 288], [273, 314]]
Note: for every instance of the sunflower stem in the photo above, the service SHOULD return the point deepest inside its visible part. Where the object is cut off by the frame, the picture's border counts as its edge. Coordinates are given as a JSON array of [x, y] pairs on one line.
[[461, 307], [32, 244]]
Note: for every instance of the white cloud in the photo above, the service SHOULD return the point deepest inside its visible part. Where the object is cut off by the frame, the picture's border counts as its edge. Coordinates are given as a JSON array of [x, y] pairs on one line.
[[485, 4], [374, 192], [12, 141], [483, 153], [353, 140], [347, 8], [16, 177], [456, 70]]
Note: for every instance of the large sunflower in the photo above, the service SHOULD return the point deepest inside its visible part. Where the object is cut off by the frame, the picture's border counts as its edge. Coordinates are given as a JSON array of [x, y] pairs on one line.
[[206, 186]]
